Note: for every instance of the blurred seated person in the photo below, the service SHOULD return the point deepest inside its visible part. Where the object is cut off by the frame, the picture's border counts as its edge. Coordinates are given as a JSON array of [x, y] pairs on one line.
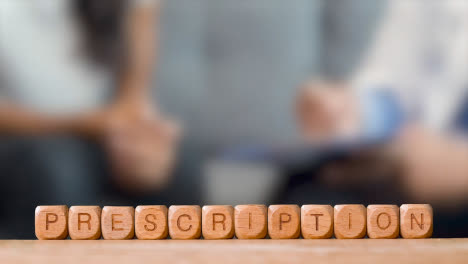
[[74, 73], [60, 61], [411, 94]]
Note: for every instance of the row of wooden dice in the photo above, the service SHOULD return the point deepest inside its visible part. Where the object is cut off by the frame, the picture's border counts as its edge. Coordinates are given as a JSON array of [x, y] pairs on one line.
[[242, 221]]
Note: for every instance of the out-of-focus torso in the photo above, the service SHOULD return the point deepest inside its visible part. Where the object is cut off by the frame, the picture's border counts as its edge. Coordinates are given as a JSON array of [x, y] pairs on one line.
[[41, 60]]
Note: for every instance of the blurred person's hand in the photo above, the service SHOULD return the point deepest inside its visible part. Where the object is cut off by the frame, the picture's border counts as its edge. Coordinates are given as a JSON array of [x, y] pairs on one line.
[[423, 166], [142, 145], [326, 111], [435, 167]]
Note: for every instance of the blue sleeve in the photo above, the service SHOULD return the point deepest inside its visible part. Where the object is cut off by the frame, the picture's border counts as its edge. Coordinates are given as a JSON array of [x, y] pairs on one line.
[[382, 115]]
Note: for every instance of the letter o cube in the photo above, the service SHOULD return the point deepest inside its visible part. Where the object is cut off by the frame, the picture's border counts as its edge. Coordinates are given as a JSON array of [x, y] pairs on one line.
[[383, 221]]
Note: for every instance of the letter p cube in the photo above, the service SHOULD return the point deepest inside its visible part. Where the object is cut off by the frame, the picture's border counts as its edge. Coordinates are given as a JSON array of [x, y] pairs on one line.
[[51, 222]]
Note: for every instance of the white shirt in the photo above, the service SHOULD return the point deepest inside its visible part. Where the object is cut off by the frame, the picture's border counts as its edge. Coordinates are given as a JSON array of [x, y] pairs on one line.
[[421, 53], [41, 59]]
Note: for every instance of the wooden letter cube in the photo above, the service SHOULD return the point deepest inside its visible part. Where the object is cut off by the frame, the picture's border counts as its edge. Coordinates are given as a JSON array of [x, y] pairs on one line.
[[217, 221], [383, 221], [317, 221], [151, 222], [350, 221], [251, 221], [117, 222], [284, 221], [51, 222], [185, 221], [84, 222], [416, 220]]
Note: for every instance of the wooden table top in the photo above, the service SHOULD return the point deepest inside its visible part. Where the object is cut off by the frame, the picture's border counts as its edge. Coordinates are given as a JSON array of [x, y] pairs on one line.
[[236, 251]]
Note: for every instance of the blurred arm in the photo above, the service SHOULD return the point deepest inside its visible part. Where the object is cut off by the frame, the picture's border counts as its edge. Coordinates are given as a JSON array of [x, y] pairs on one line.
[[141, 46], [395, 54], [16, 120], [132, 90], [391, 69]]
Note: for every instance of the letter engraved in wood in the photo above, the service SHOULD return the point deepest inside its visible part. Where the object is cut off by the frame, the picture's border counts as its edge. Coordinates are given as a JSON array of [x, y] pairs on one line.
[[82, 221], [349, 220], [49, 220], [388, 221], [284, 220], [219, 221], [114, 222], [418, 223], [178, 222], [152, 222], [316, 220]]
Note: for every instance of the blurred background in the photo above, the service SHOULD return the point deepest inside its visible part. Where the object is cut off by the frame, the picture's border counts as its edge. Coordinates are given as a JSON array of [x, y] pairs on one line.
[[134, 102]]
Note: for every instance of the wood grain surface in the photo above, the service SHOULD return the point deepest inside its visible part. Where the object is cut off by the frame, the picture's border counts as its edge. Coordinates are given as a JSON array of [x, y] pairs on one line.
[[380, 251]]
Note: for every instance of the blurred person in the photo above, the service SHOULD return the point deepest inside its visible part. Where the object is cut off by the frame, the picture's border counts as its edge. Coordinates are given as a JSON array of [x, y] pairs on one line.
[[81, 69], [51, 89], [410, 94]]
